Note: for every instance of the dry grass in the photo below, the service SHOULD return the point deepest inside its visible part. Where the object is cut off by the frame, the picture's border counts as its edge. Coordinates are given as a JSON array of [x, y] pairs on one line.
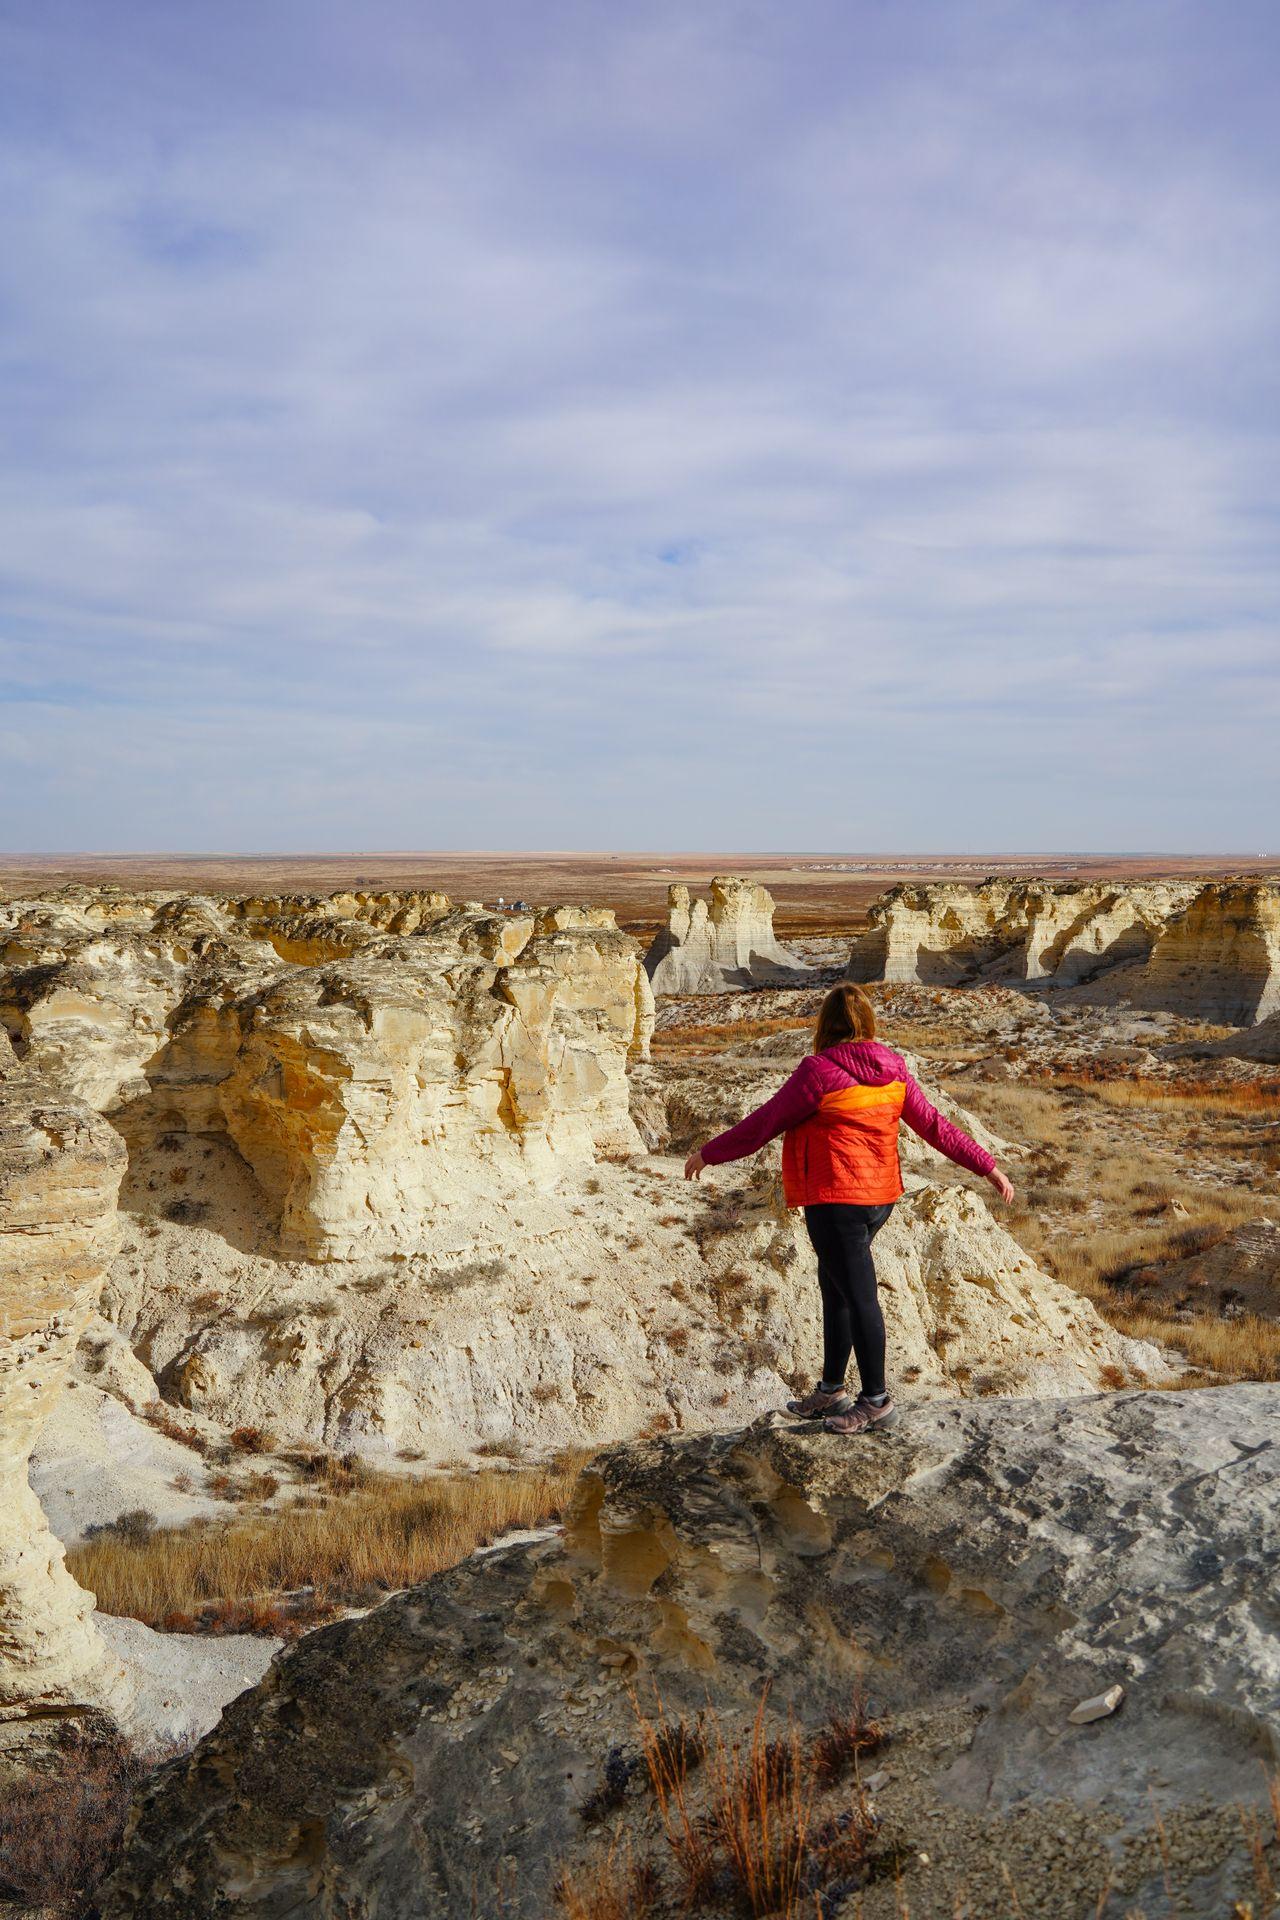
[[694, 1040], [1116, 1192], [615, 1888], [741, 1817], [344, 1548], [1249, 1097]]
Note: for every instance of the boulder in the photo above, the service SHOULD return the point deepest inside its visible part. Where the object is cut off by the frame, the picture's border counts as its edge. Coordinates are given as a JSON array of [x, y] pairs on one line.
[[729, 942], [981, 1574]]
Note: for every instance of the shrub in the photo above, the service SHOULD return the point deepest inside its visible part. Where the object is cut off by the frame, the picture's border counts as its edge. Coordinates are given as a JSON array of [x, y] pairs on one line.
[[60, 1829]]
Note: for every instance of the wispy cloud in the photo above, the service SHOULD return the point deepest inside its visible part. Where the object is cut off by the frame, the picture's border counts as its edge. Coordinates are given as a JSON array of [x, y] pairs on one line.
[[827, 426]]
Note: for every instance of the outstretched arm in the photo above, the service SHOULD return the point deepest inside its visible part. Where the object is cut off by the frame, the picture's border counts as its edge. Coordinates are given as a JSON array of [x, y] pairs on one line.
[[793, 1102], [943, 1135]]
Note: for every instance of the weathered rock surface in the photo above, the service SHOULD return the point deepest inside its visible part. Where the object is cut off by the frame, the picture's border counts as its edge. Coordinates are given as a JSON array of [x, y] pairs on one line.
[[1260, 1043], [60, 1166], [1237, 1273], [583, 1314], [371, 1057], [983, 1571], [949, 934], [377, 1201], [729, 942], [1220, 958]]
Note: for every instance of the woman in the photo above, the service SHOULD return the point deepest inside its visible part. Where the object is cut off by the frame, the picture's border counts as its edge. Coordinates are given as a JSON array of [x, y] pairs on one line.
[[840, 1111]]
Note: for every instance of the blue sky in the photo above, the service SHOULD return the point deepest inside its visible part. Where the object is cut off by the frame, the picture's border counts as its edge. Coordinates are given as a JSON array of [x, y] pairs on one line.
[[834, 425]]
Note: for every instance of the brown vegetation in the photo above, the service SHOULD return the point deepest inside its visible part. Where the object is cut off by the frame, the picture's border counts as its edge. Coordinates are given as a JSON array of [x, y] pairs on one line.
[[740, 1816], [351, 1547], [1178, 1096], [61, 1826], [699, 1038], [1116, 1191]]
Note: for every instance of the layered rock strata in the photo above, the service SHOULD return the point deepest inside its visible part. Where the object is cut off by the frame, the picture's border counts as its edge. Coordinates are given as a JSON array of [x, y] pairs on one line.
[[1219, 959], [726, 942], [948, 934], [60, 1166], [370, 1057], [983, 1573], [1208, 951]]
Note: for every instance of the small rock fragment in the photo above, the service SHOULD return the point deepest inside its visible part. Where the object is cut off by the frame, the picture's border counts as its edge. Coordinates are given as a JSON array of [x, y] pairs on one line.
[[1096, 1708]]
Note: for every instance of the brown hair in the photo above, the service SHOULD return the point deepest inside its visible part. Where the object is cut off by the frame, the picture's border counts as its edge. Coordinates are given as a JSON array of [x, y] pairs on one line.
[[845, 1014]]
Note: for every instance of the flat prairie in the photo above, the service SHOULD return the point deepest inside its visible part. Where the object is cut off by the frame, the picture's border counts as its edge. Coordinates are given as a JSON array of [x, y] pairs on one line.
[[816, 893]]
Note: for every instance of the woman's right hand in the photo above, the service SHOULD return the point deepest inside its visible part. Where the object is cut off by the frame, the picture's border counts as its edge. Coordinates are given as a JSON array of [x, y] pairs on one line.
[[694, 1164], [1002, 1184]]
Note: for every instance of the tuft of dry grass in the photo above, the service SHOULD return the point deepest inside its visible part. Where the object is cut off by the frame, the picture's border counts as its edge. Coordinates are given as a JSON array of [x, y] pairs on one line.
[[740, 1815], [382, 1534], [615, 1888]]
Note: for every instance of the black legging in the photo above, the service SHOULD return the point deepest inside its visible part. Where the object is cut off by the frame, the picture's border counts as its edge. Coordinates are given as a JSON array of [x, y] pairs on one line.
[[851, 1316]]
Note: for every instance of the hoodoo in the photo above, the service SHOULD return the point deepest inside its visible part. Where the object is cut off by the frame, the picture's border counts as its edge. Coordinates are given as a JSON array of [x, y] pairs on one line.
[[729, 942]]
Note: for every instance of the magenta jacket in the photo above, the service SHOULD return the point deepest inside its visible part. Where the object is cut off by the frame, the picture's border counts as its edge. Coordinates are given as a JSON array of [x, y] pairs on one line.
[[840, 1112]]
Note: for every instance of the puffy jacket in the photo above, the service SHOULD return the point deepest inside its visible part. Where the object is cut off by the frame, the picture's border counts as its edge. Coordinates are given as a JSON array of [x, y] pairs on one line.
[[840, 1112]]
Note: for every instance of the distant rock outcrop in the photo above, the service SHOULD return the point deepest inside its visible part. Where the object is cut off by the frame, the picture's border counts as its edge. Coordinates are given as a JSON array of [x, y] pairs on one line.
[[948, 934], [1219, 959], [60, 1166], [1210, 951], [729, 942], [984, 1572]]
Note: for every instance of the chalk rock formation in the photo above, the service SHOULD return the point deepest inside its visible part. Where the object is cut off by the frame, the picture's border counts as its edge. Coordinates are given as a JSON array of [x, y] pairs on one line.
[[60, 1166], [365, 1095], [370, 1056], [729, 943], [949, 934], [528, 1322], [983, 1572], [1220, 958]]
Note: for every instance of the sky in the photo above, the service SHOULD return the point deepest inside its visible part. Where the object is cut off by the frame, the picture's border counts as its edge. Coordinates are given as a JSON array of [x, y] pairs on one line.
[[836, 425]]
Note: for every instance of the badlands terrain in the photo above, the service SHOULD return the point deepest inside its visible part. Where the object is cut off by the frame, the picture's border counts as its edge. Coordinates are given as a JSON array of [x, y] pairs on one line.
[[344, 1242]]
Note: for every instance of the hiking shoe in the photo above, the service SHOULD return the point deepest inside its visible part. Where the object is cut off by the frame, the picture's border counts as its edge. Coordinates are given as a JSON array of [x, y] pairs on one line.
[[862, 1417], [815, 1404]]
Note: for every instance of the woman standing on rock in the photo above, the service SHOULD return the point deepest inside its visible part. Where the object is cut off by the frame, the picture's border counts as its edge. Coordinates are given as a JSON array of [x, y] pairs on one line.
[[840, 1112]]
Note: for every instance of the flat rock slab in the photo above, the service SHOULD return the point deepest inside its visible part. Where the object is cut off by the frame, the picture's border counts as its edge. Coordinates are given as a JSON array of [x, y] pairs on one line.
[[984, 1570]]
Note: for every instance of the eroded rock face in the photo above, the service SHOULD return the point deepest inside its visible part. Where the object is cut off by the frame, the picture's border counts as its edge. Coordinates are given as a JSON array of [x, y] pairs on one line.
[[1210, 951], [1220, 958], [372, 1057], [536, 1325], [728, 942], [60, 1166], [983, 1571], [949, 934]]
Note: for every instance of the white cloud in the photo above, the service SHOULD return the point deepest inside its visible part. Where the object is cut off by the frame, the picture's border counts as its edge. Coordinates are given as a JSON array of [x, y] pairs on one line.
[[667, 430]]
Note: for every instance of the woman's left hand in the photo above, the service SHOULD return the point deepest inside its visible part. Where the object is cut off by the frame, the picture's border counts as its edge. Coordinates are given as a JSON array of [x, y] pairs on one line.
[[694, 1164]]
